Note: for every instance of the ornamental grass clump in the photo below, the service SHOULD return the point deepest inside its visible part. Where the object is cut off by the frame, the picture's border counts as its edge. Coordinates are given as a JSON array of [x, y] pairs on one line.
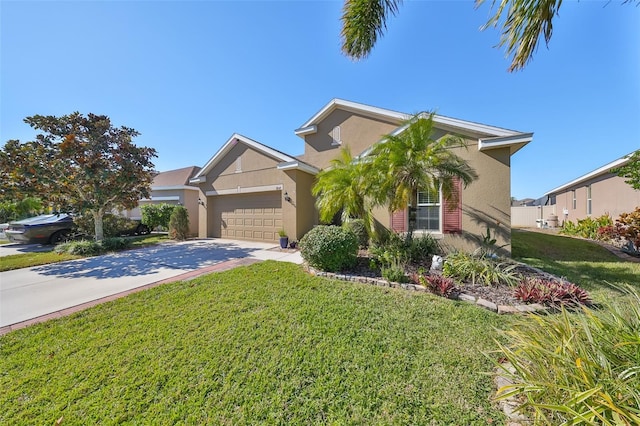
[[480, 269], [329, 248], [551, 293], [577, 368]]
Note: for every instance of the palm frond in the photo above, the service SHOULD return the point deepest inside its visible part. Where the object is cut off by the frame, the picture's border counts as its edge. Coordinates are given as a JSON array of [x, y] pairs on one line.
[[363, 21]]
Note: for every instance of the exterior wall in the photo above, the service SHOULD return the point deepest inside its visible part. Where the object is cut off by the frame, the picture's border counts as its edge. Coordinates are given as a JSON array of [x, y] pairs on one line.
[[610, 194], [486, 202], [259, 172], [531, 216], [357, 132]]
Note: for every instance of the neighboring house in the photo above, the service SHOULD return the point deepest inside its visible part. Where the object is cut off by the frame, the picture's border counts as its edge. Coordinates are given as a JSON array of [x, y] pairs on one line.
[[597, 193], [173, 187], [252, 190]]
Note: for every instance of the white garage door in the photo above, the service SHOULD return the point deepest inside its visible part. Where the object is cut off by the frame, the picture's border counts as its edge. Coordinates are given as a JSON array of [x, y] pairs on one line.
[[256, 216]]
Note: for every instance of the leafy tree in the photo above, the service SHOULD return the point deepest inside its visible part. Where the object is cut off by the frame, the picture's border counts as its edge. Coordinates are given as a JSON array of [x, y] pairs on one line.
[[340, 190], [631, 170], [523, 23], [179, 223], [15, 210], [81, 163], [157, 215], [412, 160]]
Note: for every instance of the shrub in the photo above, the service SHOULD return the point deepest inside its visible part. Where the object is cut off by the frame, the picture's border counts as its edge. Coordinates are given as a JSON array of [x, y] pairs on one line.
[[421, 249], [112, 225], [81, 248], [587, 227], [395, 273], [440, 285], [628, 227], [157, 215], [116, 243], [179, 223], [482, 270], [359, 228], [329, 248], [577, 368], [551, 293]]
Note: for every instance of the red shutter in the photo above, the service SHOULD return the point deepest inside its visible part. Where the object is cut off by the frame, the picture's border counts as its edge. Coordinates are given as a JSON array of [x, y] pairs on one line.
[[452, 214], [399, 220]]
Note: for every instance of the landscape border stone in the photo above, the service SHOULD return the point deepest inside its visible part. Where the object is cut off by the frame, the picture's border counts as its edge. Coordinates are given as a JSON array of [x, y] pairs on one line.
[[464, 297]]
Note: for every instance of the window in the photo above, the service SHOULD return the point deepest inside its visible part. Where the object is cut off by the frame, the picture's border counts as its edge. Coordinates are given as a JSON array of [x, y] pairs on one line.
[[428, 211], [239, 165], [573, 199], [335, 136], [588, 199]]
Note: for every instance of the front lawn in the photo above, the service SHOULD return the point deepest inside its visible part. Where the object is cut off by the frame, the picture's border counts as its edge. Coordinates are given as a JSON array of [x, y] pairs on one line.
[[259, 344], [580, 261]]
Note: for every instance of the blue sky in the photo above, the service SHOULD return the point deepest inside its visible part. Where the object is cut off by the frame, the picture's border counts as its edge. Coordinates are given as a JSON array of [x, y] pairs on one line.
[[187, 75]]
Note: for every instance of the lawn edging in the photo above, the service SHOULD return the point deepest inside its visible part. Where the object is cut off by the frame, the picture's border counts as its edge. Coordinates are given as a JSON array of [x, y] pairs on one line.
[[464, 297]]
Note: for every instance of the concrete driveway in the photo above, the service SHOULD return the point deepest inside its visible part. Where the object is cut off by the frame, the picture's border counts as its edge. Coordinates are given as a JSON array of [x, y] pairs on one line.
[[30, 293]]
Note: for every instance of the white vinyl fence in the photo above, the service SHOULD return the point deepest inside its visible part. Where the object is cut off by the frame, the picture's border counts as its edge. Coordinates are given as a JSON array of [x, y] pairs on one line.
[[534, 216]]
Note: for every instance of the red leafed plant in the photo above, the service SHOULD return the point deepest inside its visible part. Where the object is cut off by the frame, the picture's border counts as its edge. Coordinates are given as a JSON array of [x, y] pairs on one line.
[[440, 285], [551, 293]]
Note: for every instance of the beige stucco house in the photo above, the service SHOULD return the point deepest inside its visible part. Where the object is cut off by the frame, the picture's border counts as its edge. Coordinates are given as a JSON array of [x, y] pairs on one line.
[[173, 187], [594, 194], [251, 191]]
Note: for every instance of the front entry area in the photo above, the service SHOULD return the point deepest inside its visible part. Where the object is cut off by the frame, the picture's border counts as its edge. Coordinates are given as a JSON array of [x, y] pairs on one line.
[[254, 217]]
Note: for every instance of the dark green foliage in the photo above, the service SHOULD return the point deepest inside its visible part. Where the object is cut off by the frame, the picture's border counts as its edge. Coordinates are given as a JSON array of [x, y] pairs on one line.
[[394, 273], [113, 225], [179, 223], [551, 293], [157, 215], [329, 248], [358, 227], [402, 250], [116, 243], [631, 170], [80, 248]]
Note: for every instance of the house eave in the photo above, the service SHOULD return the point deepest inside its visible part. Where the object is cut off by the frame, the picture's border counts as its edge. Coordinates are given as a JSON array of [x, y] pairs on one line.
[[513, 142], [297, 165], [595, 173], [174, 187], [304, 131]]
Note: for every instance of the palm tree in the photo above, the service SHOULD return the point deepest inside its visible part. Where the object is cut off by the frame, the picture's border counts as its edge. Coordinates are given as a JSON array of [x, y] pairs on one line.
[[339, 189], [363, 21], [411, 160]]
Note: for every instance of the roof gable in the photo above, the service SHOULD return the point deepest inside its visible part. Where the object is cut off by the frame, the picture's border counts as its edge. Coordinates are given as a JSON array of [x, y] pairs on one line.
[[171, 178], [257, 146], [489, 137]]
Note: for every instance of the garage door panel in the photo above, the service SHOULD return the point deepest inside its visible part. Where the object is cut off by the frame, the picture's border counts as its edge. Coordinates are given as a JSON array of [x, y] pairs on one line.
[[248, 216]]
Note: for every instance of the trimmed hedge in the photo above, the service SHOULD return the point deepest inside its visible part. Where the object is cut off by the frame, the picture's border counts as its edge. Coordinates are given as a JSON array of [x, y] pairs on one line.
[[329, 248]]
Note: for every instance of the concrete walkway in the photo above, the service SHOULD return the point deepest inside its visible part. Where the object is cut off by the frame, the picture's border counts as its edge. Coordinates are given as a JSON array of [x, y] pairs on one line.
[[39, 293]]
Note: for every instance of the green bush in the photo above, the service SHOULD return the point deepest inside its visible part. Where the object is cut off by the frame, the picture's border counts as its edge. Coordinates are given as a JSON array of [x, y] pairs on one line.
[[394, 273], [157, 215], [587, 227], [112, 225], [81, 248], [116, 243], [358, 227], [402, 250], [480, 269], [179, 223], [329, 248], [577, 368], [421, 249]]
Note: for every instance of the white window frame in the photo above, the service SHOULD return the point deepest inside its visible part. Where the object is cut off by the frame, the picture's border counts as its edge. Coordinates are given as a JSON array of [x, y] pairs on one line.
[[239, 164], [574, 200], [589, 203], [439, 204]]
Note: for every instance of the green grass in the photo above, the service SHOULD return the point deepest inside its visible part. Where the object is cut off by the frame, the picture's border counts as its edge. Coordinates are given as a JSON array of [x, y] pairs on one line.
[[265, 344], [17, 261], [582, 262], [2, 242]]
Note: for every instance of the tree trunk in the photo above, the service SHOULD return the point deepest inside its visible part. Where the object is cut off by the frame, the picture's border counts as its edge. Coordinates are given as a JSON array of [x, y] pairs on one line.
[[98, 226]]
